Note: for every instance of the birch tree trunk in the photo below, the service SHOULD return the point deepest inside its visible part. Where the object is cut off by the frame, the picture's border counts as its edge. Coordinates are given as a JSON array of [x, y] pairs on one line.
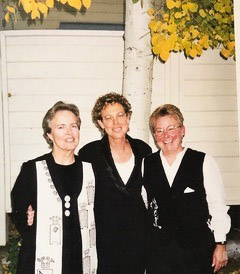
[[138, 67]]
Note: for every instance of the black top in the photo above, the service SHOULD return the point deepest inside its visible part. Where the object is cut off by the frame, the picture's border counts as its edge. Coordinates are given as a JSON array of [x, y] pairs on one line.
[[120, 213], [67, 181]]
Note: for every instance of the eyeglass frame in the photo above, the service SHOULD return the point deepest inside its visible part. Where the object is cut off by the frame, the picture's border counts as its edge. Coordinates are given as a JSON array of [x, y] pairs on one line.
[[109, 118], [174, 127]]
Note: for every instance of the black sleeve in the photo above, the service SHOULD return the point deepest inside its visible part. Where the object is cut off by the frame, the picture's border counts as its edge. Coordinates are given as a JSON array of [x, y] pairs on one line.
[[148, 150], [144, 148], [82, 154], [24, 194], [86, 153]]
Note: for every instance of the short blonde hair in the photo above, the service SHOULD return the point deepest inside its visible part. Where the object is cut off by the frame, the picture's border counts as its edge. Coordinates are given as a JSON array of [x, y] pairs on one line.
[[164, 110]]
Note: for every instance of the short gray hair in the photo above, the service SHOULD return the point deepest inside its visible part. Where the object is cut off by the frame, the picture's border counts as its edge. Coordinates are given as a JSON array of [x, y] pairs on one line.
[[51, 114]]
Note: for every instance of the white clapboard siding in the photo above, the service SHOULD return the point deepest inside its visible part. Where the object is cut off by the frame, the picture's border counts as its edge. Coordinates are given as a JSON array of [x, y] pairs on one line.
[[216, 149], [3, 231], [235, 178], [35, 119], [208, 71], [213, 134], [81, 37], [210, 87], [78, 53], [41, 103], [234, 193], [237, 51], [209, 103], [69, 70], [212, 118], [229, 164], [208, 99], [43, 67], [77, 86]]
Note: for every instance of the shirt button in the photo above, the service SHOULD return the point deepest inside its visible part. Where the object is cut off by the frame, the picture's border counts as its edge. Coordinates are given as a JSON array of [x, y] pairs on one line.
[[67, 204], [67, 213], [67, 198]]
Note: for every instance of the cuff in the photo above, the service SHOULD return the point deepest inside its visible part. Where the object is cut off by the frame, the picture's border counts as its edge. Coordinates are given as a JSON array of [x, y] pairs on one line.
[[219, 237]]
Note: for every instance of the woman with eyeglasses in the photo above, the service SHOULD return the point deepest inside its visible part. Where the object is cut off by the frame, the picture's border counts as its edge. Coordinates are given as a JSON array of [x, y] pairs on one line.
[[120, 212], [186, 205]]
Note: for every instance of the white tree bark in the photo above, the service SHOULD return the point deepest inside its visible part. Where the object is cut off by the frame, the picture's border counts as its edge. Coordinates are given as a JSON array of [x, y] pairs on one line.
[[138, 67]]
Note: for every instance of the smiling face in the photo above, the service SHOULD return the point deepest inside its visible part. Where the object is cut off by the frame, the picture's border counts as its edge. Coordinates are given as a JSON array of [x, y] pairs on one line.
[[114, 121], [168, 134], [64, 131]]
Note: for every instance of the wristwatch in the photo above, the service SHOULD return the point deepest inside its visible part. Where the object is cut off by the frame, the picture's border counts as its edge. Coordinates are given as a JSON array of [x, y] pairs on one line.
[[220, 243]]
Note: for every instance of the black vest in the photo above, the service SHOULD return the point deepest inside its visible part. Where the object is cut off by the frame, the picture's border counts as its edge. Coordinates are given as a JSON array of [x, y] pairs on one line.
[[172, 212]]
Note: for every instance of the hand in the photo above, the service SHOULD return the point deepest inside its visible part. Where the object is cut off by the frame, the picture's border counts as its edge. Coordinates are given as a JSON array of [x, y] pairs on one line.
[[220, 258], [30, 215]]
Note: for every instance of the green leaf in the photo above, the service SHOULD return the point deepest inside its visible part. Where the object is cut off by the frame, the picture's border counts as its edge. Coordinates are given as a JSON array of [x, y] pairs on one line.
[[206, 2]]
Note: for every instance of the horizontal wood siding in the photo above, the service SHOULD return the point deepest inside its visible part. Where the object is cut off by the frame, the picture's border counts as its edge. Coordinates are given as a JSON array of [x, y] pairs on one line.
[[209, 102], [72, 66], [4, 191]]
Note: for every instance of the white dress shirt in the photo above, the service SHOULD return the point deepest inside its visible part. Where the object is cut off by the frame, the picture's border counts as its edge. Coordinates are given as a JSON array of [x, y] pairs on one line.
[[220, 222]]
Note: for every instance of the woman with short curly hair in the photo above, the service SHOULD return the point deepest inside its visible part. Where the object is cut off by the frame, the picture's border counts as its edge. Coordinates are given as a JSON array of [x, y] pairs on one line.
[[120, 213], [109, 98]]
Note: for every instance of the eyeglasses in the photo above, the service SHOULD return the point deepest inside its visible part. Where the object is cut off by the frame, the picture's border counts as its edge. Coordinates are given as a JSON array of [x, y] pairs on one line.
[[170, 130], [119, 117]]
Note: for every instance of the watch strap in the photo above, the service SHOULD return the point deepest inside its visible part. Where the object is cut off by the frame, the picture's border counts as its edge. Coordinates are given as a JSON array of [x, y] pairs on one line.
[[220, 243]]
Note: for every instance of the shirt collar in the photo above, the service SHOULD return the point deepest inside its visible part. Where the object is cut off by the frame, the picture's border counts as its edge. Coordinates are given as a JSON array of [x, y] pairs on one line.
[[179, 155]]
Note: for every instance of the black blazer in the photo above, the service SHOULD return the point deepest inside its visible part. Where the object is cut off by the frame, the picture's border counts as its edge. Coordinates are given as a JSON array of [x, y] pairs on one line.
[[120, 213]]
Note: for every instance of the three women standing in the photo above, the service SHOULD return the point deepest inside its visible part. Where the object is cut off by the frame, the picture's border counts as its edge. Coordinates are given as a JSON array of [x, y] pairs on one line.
[[184, 187], [120, 213]]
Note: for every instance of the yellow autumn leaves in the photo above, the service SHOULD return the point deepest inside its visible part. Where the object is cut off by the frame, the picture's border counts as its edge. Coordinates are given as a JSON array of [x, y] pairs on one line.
[[36, 8], [192, 26]]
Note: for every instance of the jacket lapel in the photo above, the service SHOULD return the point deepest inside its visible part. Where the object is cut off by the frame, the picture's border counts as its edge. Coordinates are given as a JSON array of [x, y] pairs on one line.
[[111, 168]]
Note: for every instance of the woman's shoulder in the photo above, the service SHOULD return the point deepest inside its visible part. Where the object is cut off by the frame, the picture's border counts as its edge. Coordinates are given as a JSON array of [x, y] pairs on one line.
[[152, 156], [140, 142], [27, 174], [90, 146], [31, 162], [141, 145], [89, 150], [194, 152]]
